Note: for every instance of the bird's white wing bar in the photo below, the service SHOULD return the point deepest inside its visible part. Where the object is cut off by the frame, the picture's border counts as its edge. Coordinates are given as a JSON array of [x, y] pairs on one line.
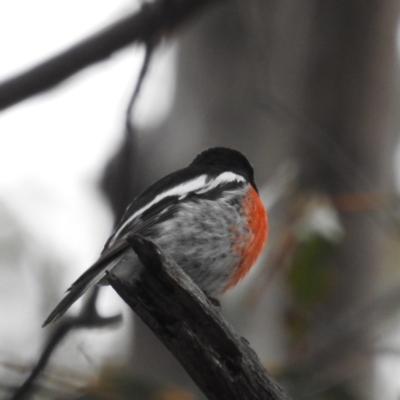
[[200, 185], [179, 190]]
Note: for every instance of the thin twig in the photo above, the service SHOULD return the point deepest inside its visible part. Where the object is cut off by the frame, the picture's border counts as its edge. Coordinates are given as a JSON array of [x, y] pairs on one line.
[[88, 318], [143, 72], [119, 181]]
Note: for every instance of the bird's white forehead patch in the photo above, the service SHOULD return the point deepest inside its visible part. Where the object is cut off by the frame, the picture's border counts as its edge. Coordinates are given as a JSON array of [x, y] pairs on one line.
[[225, 177], [200, 185]]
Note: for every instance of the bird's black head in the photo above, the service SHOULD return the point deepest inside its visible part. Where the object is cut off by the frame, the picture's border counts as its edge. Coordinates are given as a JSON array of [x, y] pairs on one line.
[[222, 157]]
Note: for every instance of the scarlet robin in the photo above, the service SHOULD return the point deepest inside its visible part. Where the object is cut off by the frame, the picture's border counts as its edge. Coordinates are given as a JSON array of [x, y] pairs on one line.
[[208, 217]]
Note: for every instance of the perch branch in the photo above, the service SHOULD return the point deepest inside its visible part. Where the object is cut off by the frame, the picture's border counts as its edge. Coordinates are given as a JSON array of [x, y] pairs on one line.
[[219, 361], [152, 21]]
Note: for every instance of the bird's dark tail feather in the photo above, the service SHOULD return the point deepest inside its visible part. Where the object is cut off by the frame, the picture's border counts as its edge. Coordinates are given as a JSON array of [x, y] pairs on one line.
[[87, 280]]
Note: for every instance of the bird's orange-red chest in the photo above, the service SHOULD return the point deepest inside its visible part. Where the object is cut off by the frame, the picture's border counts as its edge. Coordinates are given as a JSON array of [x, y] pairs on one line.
[[257, 228]]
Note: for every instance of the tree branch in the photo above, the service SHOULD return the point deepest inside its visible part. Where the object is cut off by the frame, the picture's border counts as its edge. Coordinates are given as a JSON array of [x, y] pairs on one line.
[[154, 20], [221, 363]]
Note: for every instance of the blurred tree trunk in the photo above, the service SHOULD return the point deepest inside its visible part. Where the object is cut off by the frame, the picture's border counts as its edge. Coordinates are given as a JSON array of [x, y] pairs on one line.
[[276, 80], [349, 96]]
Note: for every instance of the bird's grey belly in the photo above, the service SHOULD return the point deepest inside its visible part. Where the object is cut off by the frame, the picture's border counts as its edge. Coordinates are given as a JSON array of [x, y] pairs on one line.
[[200, 240]]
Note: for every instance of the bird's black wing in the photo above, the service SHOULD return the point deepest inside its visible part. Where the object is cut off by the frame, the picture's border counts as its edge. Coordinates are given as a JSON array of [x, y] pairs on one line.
[[117, 243], [110, 257]]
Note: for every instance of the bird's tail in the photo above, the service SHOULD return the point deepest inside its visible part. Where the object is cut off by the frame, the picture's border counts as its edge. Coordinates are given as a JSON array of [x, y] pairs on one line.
[[87, 280]]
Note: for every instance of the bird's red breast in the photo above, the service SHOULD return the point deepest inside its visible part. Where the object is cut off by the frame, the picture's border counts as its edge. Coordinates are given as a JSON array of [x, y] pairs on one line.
[[250, 247]]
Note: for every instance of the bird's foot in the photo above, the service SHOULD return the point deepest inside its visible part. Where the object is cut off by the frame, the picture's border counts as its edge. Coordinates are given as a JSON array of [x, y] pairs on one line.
[[215, 302]]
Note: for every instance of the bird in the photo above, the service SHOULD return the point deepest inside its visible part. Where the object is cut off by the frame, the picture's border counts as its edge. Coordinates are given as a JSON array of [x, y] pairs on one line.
[[208, 217]]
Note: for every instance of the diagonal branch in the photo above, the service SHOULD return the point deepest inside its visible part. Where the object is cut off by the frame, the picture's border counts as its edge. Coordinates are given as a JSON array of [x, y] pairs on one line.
[[152, 21], [221, 363]]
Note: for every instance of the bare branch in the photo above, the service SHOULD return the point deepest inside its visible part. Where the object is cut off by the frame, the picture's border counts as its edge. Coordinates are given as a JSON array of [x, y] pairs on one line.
[[221, 363], [154, 20], [88, 318]]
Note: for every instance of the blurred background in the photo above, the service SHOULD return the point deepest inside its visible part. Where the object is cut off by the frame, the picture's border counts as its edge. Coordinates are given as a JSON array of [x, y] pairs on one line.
[[308, 91]]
